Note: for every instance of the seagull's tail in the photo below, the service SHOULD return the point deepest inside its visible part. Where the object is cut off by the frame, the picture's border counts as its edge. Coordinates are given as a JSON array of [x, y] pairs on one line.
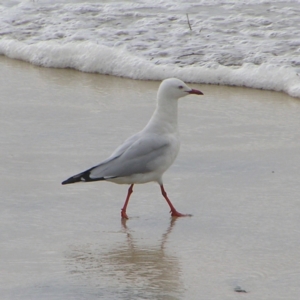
[[82, 177]]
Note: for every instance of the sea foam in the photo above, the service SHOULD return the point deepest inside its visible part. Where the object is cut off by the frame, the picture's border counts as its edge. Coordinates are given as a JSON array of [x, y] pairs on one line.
[[229, 44]]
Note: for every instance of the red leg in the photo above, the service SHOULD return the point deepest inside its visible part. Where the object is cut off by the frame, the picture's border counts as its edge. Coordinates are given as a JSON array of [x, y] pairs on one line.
[[123, 210], [174, 212]]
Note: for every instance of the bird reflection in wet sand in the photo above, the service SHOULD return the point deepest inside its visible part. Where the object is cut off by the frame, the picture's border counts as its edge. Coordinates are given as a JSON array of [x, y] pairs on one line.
[[130, 270]]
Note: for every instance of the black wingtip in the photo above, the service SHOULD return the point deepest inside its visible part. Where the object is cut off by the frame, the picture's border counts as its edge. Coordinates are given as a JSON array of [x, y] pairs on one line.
[[81, 177], [70, 180]]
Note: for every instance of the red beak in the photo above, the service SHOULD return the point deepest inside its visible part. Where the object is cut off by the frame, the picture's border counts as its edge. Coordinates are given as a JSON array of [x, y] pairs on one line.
[[196, 92]]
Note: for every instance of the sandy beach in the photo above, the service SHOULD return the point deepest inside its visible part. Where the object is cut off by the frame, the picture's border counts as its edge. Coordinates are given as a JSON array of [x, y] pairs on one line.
[[237, 173]]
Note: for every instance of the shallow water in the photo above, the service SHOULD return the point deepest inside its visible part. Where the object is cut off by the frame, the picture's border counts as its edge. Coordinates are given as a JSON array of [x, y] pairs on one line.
[[237, 173]]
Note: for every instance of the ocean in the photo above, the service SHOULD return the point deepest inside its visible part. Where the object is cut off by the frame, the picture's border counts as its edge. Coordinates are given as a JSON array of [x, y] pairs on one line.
[[252, 43]]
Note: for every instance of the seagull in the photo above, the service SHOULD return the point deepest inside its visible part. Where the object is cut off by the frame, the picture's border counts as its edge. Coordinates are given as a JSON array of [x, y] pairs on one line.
[[145, 156]]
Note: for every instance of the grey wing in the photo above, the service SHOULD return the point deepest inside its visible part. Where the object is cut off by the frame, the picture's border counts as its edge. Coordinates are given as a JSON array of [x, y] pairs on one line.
[[144, 155], [128, 143]]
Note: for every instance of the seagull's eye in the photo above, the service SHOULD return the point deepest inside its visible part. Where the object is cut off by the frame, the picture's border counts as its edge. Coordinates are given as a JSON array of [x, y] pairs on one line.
[[180, 87]]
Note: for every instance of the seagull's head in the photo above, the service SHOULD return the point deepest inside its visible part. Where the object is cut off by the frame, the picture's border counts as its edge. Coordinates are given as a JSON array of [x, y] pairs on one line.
[[175, 88]]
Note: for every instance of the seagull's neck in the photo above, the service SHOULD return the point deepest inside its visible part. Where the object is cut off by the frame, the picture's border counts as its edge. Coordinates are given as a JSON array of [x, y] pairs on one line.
[[164, 118]]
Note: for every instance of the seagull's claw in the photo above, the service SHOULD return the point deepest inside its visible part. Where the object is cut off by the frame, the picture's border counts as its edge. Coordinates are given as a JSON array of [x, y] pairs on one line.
[[177, 214], [124, 215]]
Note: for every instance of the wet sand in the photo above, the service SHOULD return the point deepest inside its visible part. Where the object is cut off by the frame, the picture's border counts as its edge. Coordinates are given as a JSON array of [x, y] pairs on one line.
[[237, 173]]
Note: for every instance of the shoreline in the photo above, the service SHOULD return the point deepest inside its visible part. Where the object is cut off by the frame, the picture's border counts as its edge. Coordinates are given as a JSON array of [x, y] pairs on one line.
[[177, 72]]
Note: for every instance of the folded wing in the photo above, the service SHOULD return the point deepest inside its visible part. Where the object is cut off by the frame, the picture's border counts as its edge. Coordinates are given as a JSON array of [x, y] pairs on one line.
[[139, 154]]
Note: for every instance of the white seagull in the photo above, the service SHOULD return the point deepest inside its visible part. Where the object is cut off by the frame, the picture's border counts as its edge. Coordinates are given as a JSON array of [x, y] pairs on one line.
[[145, 156]]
